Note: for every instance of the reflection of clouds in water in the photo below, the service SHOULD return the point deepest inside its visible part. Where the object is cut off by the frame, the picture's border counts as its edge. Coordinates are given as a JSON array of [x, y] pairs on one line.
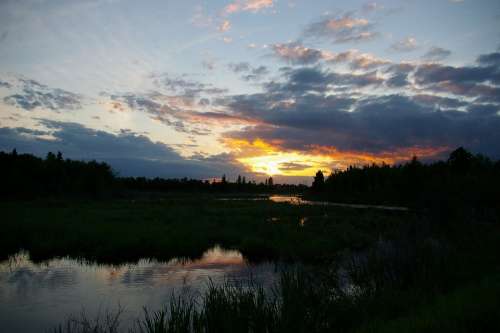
[[217, 264], [36, 295], [26, 277]]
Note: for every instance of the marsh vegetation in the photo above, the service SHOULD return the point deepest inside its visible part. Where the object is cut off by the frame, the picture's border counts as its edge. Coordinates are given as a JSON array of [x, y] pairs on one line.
[[347, 268]]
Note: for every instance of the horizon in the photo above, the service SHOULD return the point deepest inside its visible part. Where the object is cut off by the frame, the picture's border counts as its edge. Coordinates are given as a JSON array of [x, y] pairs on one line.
[[249, 87]]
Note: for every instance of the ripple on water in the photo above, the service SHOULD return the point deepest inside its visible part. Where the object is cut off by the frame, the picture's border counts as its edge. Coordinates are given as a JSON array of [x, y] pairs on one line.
[[35, 296]]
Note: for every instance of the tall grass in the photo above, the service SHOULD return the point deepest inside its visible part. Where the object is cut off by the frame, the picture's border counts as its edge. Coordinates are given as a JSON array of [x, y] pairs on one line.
[[315, 300], [105, 322]]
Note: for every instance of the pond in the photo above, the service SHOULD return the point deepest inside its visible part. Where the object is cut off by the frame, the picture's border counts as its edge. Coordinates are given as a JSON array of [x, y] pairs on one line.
[[36, 296], [298, 200]]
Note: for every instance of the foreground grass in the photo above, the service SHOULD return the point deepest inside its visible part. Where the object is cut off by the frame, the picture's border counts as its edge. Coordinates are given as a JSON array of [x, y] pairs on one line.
[[422, 277], [299, 306], [409, 273], [473, 308], [114, 231]]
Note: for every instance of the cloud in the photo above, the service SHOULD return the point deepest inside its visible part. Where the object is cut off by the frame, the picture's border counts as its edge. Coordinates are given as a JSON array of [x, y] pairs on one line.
[[239, 67], [33, 95], [481, 81], [170, 110], [316, 108], [436, 53], [491, 59], [407, 44], [224, 26], [399, 75], [358, 60], [247, 6], [249, 73], [296, 53], [129, 153], [4, 84], [179, 85], [342, 29]]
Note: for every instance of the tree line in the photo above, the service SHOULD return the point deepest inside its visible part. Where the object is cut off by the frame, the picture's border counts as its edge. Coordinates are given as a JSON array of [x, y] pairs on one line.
[[25, 176], [28, 176], [464, 180]]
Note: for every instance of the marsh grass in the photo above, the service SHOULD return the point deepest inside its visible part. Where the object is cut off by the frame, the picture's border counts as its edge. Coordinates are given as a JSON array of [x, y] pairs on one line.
[[106, 321], [411, 283], [120, 231], [401, 272]]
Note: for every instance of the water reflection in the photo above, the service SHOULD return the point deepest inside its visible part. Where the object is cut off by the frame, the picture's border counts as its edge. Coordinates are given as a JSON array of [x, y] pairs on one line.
[[36, 296], [296, 200]]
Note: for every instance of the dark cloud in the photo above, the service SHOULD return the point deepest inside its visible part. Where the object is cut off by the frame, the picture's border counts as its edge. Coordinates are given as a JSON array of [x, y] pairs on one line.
[[256, 74], [436, 53], [129, 153], [248, 72], [185, 87], [492, 59], [34, 94], [307, 80], [399, 75], [168, 110], [5, 84], [312, 106], [434, 73], [342, 28], [239, 67], [487, 71]]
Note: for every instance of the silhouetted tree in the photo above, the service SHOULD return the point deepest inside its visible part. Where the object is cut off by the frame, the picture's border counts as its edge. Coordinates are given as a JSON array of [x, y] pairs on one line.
[[319, 181], [460, 159]]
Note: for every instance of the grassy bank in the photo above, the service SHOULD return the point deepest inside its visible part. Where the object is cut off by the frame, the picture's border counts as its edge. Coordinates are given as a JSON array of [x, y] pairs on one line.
[[407, 272], [410, 283], [126, 230]]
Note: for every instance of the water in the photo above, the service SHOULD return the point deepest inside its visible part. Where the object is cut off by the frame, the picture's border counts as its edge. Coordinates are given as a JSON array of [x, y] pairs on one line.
[[297, 200], [35, 297]]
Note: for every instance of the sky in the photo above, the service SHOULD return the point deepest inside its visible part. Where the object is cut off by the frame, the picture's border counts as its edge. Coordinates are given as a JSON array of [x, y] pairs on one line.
[[260, 88]]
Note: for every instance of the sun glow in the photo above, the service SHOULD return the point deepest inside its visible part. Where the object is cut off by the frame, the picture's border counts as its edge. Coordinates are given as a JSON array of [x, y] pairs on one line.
[[287, 164], [268, 158]]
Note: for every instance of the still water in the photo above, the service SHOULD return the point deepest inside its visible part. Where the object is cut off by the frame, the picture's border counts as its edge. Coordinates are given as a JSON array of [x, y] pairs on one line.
[[297, 200], [36, 296]]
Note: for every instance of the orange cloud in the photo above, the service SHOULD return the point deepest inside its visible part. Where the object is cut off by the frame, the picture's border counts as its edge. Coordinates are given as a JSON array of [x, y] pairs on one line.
[[225, 26], [270, 158], [344, 159], [248, 5], [346, 23]]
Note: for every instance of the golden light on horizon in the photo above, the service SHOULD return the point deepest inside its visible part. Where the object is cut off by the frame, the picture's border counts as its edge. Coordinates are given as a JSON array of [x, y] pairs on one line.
[[287, 163], [271, 159]]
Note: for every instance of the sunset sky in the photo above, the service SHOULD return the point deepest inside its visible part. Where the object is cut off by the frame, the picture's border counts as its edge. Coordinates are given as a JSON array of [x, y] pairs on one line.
[[252, 87]]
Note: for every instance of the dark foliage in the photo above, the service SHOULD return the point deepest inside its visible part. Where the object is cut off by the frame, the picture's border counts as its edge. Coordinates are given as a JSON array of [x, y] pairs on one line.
[[464, 186], [24, 176], [142, 184]]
